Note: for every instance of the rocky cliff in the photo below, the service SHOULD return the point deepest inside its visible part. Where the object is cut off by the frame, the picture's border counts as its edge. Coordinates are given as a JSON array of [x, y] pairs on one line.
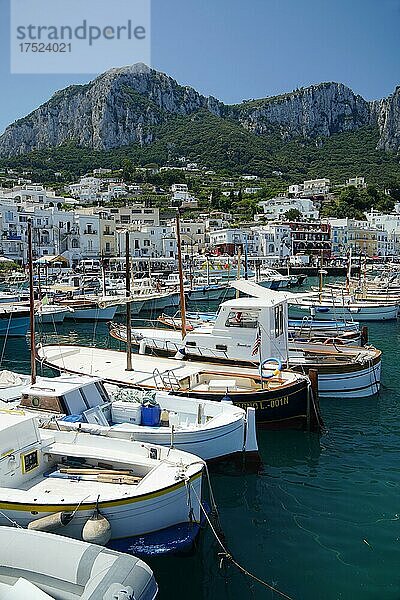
[[125, 106], [317, 111], [118, 108], [388, 115]]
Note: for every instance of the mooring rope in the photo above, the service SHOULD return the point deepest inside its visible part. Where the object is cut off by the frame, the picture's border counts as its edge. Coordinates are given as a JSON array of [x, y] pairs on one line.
[[225, 554]]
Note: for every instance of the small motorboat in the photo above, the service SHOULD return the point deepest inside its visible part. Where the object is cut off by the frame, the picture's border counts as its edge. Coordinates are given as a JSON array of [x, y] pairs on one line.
[[207, 429], [97, 489], [282, 399], [35, 565]]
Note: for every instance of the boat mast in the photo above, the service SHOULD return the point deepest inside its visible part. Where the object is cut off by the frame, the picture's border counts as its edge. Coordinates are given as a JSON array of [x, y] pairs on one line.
[[246, 266], [321, 276], [128, 304], [348, 275], [239, 266], [31, 304], [103, 274], [180, 271]]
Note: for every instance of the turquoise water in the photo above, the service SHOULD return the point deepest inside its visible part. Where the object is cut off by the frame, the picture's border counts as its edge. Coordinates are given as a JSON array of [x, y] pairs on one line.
[[321, 517]]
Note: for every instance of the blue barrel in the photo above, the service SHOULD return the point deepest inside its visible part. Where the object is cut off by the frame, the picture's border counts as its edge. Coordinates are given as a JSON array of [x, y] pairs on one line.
[[151, 415], [72, 418]]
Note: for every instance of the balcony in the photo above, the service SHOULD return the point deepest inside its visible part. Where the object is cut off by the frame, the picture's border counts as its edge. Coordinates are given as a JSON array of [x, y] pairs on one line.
[[90, 232]]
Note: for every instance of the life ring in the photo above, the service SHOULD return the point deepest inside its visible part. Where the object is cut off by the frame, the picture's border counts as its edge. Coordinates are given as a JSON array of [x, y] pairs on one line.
[[275, 371]]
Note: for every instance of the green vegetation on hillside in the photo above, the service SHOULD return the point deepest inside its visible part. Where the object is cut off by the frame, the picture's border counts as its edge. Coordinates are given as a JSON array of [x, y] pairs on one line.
[[225, 146]]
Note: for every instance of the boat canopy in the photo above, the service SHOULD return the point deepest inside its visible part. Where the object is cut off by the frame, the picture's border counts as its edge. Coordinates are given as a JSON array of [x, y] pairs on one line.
[[251, 288]]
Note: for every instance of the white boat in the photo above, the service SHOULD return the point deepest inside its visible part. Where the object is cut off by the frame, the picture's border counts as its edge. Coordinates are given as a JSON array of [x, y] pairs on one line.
[[272, 279], [35, 565], [91, 487], [281, 398], [252, 330], [207, 429], [49, 314], [89, 309], [331, 309]]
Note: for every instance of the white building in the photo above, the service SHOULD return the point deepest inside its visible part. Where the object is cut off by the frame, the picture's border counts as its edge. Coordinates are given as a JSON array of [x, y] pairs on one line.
[[317, 186], [274, 239], [275, 208], [358, 182], [311, 187]]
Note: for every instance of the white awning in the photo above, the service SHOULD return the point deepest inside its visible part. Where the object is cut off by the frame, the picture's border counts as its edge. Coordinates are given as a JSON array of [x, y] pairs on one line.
[[253, 289]]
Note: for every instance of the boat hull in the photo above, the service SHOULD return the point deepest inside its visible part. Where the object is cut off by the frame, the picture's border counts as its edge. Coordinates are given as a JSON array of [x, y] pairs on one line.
[[356, 382], [17, 326], [207, 444], [128, 517], [50, 318], [210, 294], [372, 313], [92, 314], [291, 408]]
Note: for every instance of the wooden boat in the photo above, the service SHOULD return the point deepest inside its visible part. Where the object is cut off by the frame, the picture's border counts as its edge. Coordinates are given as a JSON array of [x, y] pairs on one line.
[[91, 487], [207, 429], [35, 565], [282, 399]]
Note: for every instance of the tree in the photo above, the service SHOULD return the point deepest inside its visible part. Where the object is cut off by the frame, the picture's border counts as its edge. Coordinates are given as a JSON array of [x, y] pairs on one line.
[[293, 214]]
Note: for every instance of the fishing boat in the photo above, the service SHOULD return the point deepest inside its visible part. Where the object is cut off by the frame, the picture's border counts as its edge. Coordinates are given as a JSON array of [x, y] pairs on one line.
[[91, 487], [207, 429], [89, 308], [336, 309], [282, 399], [248, 330], [41, 566], [272, 279], [49, 314], [14, 320]]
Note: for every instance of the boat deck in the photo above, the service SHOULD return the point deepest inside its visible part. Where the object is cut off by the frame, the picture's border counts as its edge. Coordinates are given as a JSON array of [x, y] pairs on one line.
[[59, 490], [111, 365]]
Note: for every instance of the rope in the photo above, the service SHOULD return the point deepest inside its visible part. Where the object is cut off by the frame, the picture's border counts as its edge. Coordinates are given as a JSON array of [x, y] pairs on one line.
[[10, 520], [225, 554], [5, 339]]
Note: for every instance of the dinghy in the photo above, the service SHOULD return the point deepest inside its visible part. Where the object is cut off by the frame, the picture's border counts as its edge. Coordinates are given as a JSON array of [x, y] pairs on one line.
[[94, 488], [41, 566]]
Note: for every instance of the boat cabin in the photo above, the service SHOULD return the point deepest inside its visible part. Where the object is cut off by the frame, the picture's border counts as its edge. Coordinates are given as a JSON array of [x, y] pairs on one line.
[[244, 330], [67, 395]]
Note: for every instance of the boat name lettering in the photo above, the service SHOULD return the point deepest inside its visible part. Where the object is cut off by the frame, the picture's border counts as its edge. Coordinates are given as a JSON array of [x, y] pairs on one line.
[[263, 404]]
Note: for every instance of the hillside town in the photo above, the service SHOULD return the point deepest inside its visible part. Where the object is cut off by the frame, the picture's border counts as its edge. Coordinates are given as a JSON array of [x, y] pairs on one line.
[[87, 219]]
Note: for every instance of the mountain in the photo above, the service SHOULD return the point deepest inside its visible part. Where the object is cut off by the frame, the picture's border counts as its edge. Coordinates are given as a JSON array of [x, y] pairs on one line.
[[149, 116], [118, 108]]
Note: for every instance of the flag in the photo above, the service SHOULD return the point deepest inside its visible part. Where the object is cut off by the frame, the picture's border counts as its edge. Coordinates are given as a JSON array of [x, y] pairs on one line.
[[257, 343]]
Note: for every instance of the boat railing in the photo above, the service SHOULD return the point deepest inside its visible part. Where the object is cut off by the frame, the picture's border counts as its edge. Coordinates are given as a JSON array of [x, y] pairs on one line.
[[156, 373], [168, 380]]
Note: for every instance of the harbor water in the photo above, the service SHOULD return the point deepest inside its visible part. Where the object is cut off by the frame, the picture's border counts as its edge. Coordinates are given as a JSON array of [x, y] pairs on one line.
[[319, 520]]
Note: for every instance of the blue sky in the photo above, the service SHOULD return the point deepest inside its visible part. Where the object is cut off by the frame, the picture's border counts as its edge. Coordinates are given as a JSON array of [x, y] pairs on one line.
[[246, 49]]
